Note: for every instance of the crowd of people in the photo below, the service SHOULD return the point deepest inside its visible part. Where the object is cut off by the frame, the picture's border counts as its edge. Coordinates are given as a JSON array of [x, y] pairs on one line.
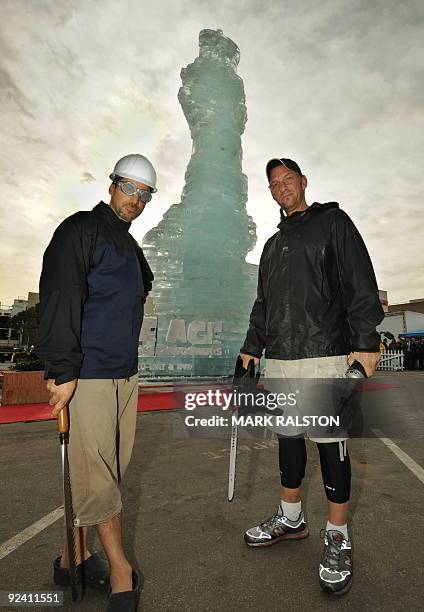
[[412, 348]]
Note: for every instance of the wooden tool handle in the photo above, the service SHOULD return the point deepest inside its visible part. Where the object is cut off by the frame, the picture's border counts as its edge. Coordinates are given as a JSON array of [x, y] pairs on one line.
[[63, 420]]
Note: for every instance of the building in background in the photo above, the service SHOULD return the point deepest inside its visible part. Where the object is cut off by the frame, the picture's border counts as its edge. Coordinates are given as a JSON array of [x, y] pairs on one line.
[[412, 305], [401, 322], [19, 305], [5, 311], [383, 299], [401, 318], [33, 299], [11, 338]]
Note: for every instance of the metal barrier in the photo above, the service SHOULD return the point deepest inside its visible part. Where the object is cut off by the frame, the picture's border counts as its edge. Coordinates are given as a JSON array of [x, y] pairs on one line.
[[391, 361]]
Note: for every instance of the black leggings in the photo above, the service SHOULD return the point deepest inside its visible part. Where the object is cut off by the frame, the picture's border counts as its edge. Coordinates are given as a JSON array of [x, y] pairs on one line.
[[335, 466]]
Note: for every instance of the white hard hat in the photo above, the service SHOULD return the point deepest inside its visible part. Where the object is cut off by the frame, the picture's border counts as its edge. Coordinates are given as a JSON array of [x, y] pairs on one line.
[[136, 167]]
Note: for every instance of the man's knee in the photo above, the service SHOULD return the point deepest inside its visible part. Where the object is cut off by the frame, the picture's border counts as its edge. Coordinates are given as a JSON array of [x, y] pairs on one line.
[[336, 471], [292, 460]]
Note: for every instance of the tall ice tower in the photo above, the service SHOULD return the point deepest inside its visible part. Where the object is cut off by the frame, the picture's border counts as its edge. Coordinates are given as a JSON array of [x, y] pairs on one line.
[[204, 289]]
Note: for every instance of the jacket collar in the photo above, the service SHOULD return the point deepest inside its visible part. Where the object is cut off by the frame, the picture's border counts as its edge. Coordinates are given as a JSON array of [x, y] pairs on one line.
[[106, 213], [287, 223]]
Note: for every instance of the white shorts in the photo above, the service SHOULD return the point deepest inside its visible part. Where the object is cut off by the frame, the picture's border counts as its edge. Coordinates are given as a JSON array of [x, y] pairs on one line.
[[279, 370]]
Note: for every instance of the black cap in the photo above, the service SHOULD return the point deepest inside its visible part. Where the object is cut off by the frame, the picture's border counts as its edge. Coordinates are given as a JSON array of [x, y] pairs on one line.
[[284, 161]]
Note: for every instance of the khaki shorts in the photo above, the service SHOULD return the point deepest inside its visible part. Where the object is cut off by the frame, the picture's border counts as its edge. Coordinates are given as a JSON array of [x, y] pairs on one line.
[[278, 370], [102, 417]]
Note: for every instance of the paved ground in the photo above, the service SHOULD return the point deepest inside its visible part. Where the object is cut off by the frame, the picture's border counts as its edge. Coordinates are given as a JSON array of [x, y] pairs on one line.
[[187, 539]]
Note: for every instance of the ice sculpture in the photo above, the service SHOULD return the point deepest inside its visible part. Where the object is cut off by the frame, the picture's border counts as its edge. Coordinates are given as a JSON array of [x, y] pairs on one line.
[[204, 289]]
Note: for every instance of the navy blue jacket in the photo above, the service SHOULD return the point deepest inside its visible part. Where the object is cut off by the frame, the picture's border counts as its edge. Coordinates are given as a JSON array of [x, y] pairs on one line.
[[93, 285]]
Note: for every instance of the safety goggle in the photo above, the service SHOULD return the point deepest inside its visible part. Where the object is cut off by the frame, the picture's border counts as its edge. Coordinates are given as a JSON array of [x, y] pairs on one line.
[[130, 189]]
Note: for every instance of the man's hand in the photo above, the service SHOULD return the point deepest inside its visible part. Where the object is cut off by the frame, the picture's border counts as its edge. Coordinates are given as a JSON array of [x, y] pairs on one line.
[[60, 394], [368, 360], [246, 358]]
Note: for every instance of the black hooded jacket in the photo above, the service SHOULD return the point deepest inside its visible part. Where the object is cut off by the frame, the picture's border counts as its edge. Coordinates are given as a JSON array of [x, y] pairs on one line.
[[93, 285], [317, 293]]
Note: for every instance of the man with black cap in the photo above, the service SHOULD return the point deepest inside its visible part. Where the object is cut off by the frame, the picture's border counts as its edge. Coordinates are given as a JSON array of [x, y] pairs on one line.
[[316, 311]]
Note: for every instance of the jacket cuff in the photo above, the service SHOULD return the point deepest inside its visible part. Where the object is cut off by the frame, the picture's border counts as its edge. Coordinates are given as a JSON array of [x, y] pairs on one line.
[[245, 351], [61, 377]]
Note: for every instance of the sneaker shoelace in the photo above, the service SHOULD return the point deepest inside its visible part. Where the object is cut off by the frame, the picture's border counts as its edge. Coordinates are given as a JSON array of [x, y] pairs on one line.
[[332, 550], [273, 521], [270, 522]]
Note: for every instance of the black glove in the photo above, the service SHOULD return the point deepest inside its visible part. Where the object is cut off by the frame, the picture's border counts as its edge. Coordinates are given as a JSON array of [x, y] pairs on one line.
[[246, 381]]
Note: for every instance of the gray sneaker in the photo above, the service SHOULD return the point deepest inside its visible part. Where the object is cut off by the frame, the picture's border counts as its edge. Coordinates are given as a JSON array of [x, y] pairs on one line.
[[277, 527], [336, 567]]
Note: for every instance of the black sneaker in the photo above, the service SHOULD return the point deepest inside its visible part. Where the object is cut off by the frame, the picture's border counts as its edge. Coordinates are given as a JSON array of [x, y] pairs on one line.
[[276, 528], [336, 567]]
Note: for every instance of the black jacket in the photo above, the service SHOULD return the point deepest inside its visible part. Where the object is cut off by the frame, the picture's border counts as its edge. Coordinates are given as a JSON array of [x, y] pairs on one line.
[[93, 284], [317, 293]]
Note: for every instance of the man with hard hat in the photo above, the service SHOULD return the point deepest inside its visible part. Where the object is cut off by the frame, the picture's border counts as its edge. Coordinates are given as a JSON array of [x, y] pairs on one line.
[[316, 311], [93, 286]]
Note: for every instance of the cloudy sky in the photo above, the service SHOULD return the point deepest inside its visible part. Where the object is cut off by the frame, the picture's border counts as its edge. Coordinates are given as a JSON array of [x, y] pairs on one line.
[[335, 84]]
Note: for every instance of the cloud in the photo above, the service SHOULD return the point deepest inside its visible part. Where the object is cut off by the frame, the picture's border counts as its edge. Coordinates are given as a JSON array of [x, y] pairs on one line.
[[336, 86], [87, 177]]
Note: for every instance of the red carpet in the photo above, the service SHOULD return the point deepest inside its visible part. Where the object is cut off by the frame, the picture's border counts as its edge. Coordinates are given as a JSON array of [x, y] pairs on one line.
[[370, 385], [42, 412], [146, 401]]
